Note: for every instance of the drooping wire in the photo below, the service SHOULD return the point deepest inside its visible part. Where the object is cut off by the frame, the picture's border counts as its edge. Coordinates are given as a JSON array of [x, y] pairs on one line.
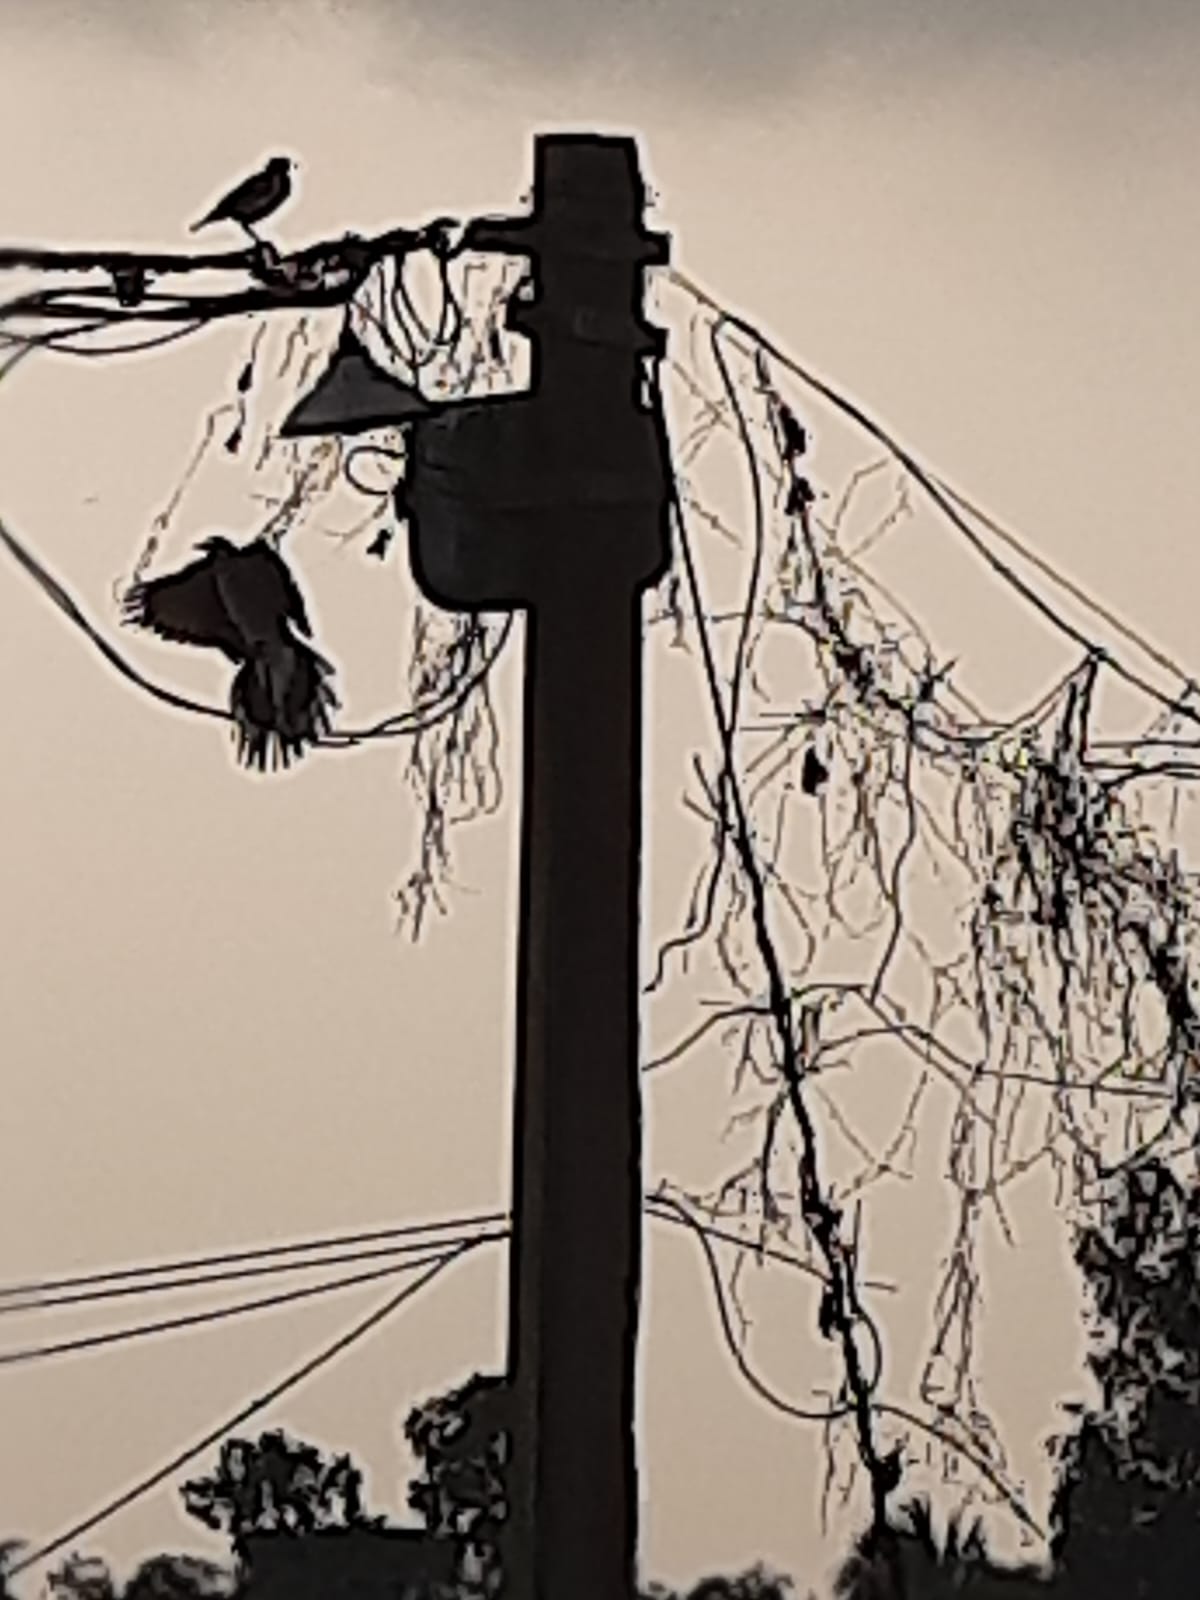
[[369, 450], [787, 1408], [400, 724], [849, 1310], [656, 1204], [155, 1278], [451, 314], [944, 498], [51, 587], [57, 345], [420, 718], [734, 1345]]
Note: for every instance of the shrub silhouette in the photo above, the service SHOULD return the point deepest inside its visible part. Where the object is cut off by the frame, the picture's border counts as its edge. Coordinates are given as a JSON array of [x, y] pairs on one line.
[[275, 1484]]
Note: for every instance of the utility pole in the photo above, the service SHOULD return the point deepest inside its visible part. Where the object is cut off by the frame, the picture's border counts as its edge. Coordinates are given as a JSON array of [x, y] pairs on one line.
[[555, 502]]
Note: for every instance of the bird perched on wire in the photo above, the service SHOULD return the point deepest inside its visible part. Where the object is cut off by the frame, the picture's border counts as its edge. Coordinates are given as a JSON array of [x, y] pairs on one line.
[[244, 602], [254, 199]]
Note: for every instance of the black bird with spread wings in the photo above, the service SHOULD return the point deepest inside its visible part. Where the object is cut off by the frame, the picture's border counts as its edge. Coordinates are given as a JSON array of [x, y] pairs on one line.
[[244, 602], [255, 198]]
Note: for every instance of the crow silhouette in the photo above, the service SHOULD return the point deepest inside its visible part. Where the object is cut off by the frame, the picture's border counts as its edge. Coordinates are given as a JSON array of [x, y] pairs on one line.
[[244, 602], [255, 198]]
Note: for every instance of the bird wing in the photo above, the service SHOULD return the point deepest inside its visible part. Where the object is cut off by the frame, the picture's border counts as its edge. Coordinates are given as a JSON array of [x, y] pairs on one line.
[[250, 193], [246, 194], [257, 196], [264, 575], [186, 607]]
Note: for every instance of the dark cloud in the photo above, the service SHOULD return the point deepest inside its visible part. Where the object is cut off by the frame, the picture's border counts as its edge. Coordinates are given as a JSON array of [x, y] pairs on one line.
[[718, 47], [768, 43]]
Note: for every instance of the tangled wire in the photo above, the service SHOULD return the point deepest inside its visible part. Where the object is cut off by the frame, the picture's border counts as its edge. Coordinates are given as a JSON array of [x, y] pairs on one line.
[[1066, 948]]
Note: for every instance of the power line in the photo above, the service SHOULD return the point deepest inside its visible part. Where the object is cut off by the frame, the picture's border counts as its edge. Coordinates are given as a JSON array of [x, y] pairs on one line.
[[827, 1413], [252, 1253], [407, 723], [662, 1209], [185, 1457], [955, 507], [103, 1285], [726, 724], [796, 1413], [666, 1208], [166, 1285], [658, 1205], [1159, 657], [157, 1285], [196, 1319], [483, 1220]]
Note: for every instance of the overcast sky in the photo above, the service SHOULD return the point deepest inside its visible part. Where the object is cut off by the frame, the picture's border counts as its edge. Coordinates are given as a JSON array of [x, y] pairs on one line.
[[978, 218], [758, 47]]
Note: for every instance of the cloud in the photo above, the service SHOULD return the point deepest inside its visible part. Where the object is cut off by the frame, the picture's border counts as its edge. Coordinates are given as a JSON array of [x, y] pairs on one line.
[[720, 47], [767, 44]]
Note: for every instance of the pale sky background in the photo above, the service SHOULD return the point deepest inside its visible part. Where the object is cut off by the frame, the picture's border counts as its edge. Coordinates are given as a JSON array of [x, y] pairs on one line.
[[978, 218]]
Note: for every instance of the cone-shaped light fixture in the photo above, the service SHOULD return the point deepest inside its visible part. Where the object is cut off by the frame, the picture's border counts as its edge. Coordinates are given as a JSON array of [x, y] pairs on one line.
[[353, 395]]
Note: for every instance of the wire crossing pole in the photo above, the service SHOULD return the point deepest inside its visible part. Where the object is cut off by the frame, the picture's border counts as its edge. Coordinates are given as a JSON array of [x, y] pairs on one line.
[[556, 501]]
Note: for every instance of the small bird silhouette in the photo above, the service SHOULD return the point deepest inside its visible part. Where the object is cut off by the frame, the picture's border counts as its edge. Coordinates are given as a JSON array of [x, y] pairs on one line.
[[245, 603], [255, 198]]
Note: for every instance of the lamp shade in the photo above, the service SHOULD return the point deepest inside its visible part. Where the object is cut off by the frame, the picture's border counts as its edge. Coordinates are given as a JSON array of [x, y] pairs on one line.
[[354, 395]]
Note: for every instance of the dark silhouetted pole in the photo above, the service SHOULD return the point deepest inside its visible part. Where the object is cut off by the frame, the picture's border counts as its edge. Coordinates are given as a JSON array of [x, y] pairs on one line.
[[556, 501]]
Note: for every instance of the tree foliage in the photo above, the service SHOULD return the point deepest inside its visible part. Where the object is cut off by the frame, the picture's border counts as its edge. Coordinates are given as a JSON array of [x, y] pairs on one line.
[[1125, 1511], [756, 1583], [463, 1442], [276, 1483], [1127, 1508], [162, 1577]]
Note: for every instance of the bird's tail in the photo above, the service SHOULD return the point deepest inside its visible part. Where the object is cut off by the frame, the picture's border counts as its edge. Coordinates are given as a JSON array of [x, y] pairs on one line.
[[282, 705]]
